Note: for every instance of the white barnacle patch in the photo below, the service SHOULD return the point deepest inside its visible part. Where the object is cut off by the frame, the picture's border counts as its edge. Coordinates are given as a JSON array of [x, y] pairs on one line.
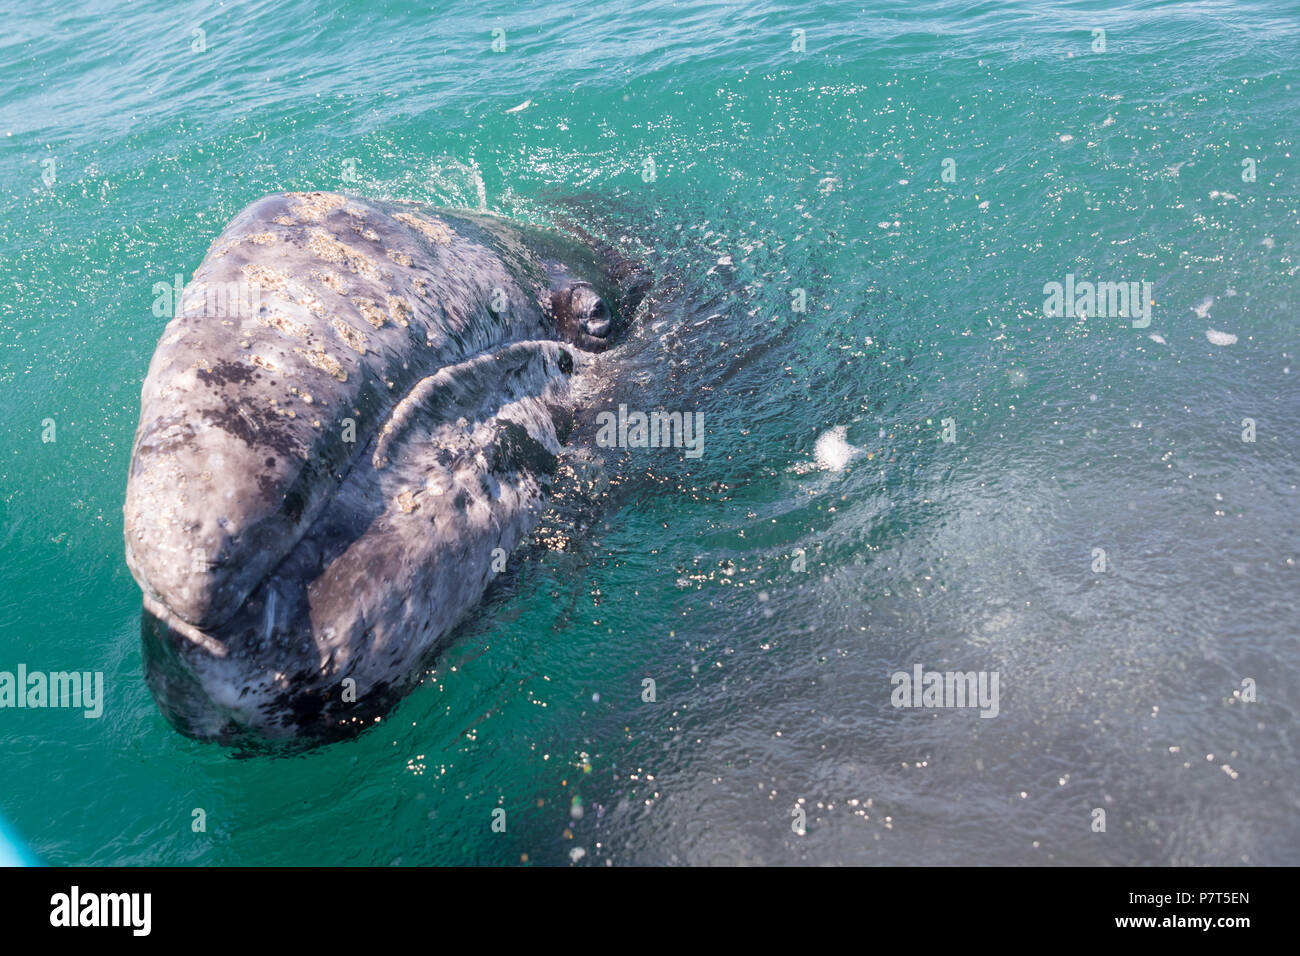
[[370, 312], [315, 206], [438, 483], [326, 247], [312, 304], [265, 363], [282, 412], [406, 502], [354, 339], [266, 278], [275, 320], [320, 359], [435, 230], [331, 280], [401, 258], [400, 310]]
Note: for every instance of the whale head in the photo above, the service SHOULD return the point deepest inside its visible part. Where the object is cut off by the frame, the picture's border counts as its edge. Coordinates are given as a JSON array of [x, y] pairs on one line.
[[331, 458]]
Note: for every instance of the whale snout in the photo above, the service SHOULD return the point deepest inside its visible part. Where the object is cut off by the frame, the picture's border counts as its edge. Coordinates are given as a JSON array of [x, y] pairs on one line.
[[193, 564], [212, 503]]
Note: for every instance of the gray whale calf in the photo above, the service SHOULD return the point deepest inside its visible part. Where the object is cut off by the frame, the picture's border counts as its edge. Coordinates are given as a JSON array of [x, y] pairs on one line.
[[355, 406]]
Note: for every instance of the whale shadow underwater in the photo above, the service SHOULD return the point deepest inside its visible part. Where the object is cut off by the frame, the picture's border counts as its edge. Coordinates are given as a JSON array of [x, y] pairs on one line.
[[355, 415]]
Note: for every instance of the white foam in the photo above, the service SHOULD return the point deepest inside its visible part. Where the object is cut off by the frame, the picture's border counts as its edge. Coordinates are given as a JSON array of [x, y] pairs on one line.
[[832, 451], [1220, 338]]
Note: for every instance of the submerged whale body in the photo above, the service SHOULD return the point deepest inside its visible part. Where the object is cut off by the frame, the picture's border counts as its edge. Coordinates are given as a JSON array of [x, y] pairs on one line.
[[356, 405]]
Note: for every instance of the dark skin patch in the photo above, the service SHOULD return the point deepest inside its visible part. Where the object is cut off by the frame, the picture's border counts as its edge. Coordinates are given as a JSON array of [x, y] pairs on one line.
[[305, 709], [563, 419], [515, 450], [294, 503], [227, 373], [266, 484], [256, 425]]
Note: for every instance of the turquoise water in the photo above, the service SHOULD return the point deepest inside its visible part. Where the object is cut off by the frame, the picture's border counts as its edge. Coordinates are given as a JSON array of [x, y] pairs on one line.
[[769, 596]]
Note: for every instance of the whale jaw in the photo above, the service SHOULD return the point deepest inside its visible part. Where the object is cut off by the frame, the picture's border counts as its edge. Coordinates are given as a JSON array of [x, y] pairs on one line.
[[195, 701]]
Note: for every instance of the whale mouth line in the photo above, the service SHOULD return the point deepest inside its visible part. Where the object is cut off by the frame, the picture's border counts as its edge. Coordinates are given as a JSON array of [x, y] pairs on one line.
[[159, 609], [406, 409]]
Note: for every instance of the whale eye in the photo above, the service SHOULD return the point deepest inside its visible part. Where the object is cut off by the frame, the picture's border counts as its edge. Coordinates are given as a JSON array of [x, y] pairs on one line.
[[591, 311], [583, 317]]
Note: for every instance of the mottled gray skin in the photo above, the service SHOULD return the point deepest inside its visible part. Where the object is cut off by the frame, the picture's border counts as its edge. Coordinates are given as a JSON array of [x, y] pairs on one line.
[[281, 561]]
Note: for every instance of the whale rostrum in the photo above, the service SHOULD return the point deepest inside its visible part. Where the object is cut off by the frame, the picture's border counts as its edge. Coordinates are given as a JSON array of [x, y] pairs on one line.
[[356, 404]]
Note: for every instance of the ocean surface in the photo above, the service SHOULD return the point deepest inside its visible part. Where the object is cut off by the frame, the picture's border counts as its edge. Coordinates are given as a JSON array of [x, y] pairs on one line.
[[1098, 531]]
